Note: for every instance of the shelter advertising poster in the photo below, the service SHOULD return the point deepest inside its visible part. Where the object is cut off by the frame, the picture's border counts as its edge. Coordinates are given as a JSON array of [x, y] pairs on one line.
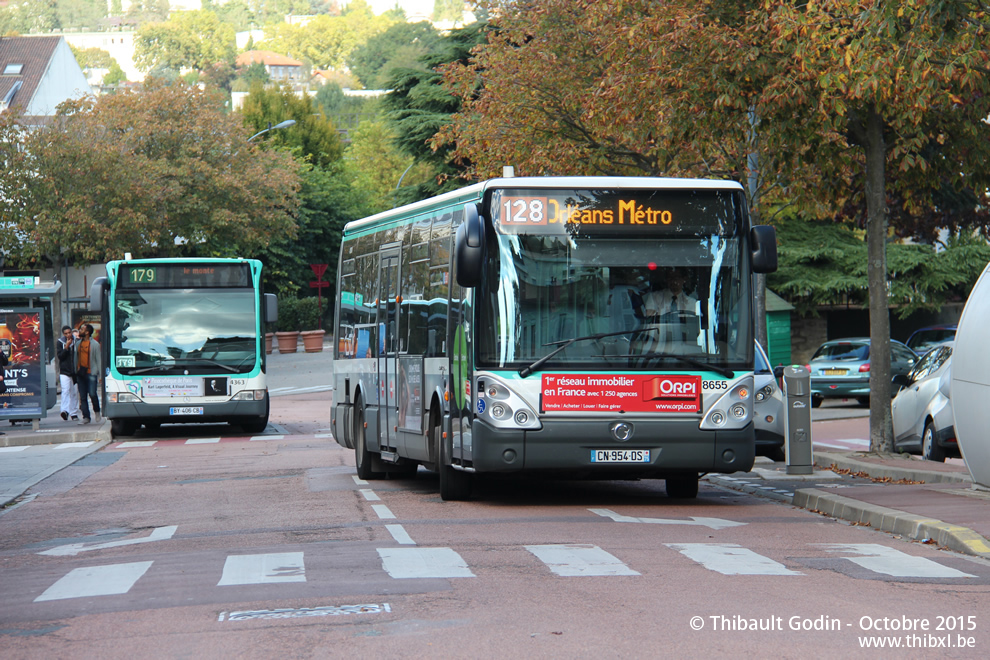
[[22, 341]]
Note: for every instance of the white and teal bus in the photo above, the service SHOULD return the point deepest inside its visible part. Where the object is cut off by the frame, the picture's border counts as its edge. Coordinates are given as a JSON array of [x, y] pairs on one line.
[[590, 327], [183, 342]]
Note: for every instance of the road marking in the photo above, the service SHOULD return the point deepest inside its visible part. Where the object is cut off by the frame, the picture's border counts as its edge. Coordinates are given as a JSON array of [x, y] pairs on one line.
[[157, 534], [70, 445], [731, 559], [579, 560], [358, 481], [266, 437], [263, 569], [370, 495], [714, 523], [9, 449], [327, 610], [383, 511], [403, 563], [96, 581], [202, 441], [399, 534], [881, 559], [136, 443]]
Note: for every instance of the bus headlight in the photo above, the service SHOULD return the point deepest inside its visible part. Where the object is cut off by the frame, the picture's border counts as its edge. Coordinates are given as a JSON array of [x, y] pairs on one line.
[[502, 407], [732, 410], [249, 395], [122, 397]]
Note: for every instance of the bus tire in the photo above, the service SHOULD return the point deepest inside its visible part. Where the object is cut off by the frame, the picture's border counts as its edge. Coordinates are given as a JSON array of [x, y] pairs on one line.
[[682, 488], [455, 485], [363, 459], [123, 427], [259, 424]]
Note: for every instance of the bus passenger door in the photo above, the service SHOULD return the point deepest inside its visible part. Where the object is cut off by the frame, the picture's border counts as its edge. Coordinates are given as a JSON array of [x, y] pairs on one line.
[[388, 346]]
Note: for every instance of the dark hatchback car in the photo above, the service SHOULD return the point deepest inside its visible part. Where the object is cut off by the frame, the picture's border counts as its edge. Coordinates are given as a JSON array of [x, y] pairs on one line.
[[922, 339], [840, 369]]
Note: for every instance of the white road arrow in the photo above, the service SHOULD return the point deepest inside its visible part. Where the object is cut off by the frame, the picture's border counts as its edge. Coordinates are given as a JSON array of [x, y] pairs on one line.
[[157, 534], [714, 523]]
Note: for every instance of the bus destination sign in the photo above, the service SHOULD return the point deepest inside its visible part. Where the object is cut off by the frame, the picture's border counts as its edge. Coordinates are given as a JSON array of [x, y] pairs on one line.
[[183, 276], [613, 212]]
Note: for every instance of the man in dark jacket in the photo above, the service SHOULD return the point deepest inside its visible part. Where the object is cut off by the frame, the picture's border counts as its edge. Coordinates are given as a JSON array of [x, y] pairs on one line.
[[67, 373]]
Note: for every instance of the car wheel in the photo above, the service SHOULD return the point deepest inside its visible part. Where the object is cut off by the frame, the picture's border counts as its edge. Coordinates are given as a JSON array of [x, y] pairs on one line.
[[863, 401], [929, 447], [777, 455], [816, 401]]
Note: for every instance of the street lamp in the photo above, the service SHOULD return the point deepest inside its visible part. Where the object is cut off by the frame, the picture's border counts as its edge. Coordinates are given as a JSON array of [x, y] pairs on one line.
[[284, 124]]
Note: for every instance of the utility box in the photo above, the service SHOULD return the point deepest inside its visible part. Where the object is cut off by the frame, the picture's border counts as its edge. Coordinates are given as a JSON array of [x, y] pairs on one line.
[[797, 400]]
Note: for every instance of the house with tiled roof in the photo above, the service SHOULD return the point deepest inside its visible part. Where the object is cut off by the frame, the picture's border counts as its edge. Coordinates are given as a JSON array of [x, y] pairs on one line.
[[36, 74], [279, 67]]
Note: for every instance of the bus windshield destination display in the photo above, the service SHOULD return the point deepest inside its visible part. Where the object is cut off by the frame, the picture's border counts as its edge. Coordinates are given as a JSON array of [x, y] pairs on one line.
[[606, 212], [184, 276]]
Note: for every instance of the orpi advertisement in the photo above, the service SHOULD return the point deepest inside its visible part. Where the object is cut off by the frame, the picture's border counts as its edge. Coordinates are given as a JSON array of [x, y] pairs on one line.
[[22, 341]]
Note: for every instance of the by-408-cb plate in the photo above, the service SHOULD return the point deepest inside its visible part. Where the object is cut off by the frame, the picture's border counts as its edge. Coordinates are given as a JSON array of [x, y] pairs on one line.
[[620, 455], [186, 410]]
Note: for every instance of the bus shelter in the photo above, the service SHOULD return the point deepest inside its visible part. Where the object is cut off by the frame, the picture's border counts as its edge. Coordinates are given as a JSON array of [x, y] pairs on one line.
[[27, 339]]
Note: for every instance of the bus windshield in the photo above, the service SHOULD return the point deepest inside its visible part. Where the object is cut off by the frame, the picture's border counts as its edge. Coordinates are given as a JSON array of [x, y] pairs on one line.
[[185, 331], [630, 303]]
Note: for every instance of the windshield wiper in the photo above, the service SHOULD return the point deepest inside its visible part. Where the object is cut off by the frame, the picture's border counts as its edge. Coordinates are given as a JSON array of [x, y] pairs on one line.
[[168, 363], [722, 371], [525, 371]]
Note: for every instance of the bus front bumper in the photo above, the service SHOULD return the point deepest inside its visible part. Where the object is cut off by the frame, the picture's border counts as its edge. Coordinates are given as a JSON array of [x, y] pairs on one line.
[[676, 448], [160, 413]]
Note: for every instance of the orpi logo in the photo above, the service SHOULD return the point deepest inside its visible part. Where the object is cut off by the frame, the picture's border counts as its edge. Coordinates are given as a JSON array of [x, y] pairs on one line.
[[671, 387]]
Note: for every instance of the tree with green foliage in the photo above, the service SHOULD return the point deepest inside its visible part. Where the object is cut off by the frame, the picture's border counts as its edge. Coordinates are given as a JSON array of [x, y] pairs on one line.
[[419, 106], [313, 138], [85, 14], [326, 41], [188, 39], [162, 171], [398, 46], [382, 168]]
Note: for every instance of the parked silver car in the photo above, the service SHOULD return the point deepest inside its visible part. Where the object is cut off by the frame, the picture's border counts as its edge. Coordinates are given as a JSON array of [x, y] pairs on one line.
[[768, 410], [922, 410]]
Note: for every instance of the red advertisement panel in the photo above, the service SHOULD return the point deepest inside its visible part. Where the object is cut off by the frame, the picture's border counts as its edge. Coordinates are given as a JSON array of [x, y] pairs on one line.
[[627, 392]]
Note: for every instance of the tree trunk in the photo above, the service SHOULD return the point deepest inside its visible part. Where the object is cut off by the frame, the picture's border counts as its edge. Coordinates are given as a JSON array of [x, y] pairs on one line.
[[881, 428]]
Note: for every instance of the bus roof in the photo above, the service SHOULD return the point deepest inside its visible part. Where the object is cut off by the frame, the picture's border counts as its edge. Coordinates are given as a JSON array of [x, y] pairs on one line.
[[477, 190]]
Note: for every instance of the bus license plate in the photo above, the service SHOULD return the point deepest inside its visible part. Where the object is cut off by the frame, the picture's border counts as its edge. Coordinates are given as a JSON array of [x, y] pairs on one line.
[[186, 411], [620, 455]]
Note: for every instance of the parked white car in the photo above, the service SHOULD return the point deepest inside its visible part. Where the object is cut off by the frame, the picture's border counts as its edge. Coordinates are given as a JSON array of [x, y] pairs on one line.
[[768, 410], [922, 410]]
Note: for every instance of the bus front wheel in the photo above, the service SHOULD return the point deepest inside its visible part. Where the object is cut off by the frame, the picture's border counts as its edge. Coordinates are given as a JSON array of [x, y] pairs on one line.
[[455, 485], [123, 427], [682, 488]]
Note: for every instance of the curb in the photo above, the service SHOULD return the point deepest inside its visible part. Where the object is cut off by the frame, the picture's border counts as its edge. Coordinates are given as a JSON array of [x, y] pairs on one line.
[[52, 437], [18, 490], [954, 537], [846, 462]]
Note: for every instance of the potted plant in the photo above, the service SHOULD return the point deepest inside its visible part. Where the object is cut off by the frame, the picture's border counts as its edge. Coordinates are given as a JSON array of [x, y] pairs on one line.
[[287, 325], [309, 321]]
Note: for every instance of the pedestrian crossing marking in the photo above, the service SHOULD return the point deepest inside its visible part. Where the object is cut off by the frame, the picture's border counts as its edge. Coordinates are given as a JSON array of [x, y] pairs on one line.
[[136, 443], [383, 511], [404, 563], [370, 495], [581, 560], [714, 523], [731, 559], [888, 561], [202, 441], [90, 581], [263, 569], [157, 534]]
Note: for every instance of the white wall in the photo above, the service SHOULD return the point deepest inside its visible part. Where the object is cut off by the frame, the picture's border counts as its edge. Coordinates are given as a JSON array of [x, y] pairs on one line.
[[63, 80]]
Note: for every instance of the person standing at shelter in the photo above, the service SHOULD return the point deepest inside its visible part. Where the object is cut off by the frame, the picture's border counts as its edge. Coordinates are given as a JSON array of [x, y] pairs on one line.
[[88, 373], [67, 373]]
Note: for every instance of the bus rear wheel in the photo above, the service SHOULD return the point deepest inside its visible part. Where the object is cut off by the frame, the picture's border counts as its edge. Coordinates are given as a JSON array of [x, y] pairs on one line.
[[362, 457], [682, 488]]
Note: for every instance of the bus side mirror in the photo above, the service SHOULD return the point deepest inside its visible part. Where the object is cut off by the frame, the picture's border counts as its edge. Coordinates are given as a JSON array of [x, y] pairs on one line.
[[763, 246], [100, 284], [469, 247], [271, 308]]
